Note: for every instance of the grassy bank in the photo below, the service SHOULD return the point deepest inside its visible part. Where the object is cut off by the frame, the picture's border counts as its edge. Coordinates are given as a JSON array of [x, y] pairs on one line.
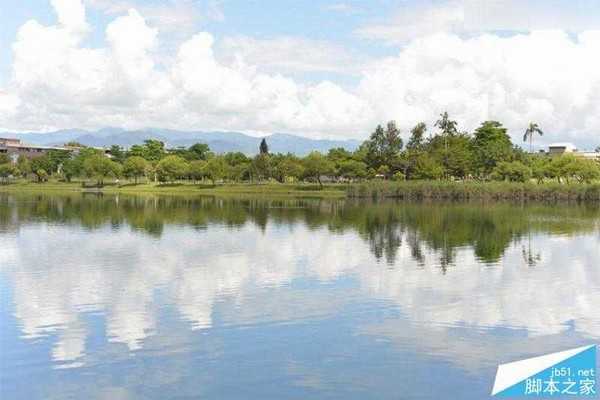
[[416, 190], [271, 190], [412, 190]]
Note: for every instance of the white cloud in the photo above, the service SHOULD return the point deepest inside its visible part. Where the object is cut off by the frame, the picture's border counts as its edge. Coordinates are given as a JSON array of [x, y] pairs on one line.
[[519, 15], [343, 8], [290, 54], [121, 86], [71, 14], [179, 16], [417, 20], [545, 76], [468, 17]]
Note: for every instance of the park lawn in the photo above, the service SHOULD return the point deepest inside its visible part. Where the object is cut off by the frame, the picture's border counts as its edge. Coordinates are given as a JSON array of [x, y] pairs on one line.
[[370, 189], [228, 189]]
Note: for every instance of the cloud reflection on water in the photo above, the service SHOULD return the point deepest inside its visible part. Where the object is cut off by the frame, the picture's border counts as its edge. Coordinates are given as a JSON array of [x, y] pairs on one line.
[[247, 274]]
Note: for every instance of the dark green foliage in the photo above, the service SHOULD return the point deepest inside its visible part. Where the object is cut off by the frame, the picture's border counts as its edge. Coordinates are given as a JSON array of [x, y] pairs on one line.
[[514, 171], [316, 166], [100, 167], [117, 153], [263, 148], [383, 147], [491, 145], [171, 168], [135, 167], [417, 137]]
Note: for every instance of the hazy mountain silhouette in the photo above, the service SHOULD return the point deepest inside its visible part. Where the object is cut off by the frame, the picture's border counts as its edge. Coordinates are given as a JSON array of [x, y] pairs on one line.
[[219, 142]]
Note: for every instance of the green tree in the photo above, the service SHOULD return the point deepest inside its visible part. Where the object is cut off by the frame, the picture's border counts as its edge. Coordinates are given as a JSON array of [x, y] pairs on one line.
[[73, 144], [539, 167], [216, 168], [338, 154], [152, 150], [135, 167], [7, 170], [399, 176], [417, 137], [42, 175], [100, 167], [56, 159], [514, 171], [454, 152], [582, 170], [531, 130], [235, 158], [288, 166], [171, 168], [383, 147], [71, 168], [261, 164], [263, 148], [353, 169], [427, 167], [198, 151], [316, 165], [41, 164], [446, 125], [197, 170], [491, 144], [24, 166], [4, 158], [448, 132], [383, 170], [117, 153]]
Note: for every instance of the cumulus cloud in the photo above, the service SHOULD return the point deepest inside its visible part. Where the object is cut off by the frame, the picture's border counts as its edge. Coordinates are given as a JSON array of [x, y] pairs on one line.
[[545, 76], [66, 84], [236, 83]]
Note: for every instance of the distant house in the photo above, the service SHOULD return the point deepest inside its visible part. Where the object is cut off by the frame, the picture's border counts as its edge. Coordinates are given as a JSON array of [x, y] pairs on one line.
[[15, 148], [556, 149], [561, 148]]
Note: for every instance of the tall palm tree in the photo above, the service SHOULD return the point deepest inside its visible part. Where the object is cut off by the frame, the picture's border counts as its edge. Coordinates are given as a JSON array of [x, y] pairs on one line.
[[532, 129]]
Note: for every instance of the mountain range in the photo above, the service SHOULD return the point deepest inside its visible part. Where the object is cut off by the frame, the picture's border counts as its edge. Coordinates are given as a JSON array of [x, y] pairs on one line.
[[219, 142]]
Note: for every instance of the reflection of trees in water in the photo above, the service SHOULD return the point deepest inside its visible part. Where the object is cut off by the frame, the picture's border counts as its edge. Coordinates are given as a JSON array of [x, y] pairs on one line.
[[438, 228], [530, 256], [384, 235]]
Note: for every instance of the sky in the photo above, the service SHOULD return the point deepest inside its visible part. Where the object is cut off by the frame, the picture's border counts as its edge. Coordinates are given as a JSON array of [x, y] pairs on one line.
[[320, 69]]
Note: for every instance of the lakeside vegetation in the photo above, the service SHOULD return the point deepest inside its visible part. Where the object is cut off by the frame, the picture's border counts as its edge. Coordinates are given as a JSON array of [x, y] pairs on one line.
[[446, 164]]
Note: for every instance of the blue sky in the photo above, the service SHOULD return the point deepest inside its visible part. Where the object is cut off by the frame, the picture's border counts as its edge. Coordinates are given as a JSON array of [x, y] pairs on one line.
[[319, 68], [332, 21]]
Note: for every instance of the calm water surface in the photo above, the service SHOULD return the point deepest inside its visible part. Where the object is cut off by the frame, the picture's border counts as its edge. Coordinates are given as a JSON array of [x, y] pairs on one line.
[[173, 297]]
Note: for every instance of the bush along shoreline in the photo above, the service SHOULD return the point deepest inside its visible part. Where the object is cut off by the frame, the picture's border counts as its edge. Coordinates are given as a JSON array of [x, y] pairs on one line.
[[439, 190]]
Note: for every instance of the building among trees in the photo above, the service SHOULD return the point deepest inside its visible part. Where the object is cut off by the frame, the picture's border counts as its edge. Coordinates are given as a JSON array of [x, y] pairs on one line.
[[15, 148], [559, 149]]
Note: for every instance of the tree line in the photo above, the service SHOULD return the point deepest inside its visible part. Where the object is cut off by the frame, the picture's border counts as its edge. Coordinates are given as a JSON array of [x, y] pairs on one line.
[[444, 154]]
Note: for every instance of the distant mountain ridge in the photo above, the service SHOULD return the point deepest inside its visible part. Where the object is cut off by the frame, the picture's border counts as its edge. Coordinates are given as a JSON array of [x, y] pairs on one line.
[[219, 142]]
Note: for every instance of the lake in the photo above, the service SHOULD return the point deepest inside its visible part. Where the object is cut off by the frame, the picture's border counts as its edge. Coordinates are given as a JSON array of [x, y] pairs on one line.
[[152, 297]]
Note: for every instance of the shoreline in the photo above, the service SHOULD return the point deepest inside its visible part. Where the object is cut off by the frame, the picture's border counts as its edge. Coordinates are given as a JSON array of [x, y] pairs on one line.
[[409, 190]]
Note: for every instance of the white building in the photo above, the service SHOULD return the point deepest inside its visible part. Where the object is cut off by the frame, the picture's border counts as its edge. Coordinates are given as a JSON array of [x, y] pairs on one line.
[[569, 148]]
